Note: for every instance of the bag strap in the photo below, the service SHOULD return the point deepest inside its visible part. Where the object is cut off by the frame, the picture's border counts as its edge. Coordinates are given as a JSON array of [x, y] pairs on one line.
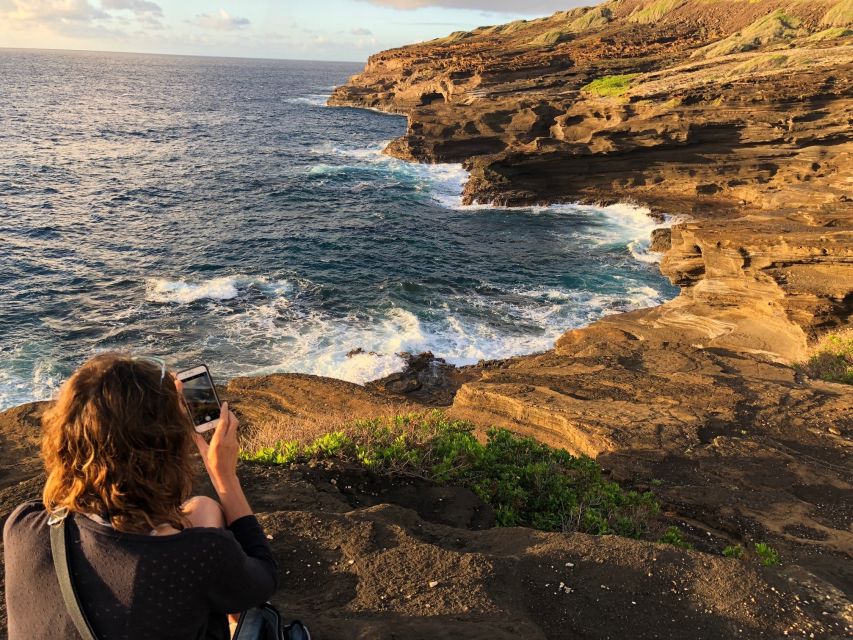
[[58, 548]]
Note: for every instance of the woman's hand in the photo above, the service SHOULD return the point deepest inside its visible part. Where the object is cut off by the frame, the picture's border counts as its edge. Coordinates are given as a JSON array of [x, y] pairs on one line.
[[220, 460], [220, 456]]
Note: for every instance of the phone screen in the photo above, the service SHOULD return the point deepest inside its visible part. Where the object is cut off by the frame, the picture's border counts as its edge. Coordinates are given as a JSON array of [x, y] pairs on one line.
[[201, 398]]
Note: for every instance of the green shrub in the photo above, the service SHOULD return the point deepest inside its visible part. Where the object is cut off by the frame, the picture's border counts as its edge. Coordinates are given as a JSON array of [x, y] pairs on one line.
[[832, 359], [733, 551], [675, 537], [526, 482], [285, 452], [616, 85], [768, 556], [330, 445]]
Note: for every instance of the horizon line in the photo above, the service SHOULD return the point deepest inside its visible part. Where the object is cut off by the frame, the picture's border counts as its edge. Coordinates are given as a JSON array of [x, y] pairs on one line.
[[182, 55]]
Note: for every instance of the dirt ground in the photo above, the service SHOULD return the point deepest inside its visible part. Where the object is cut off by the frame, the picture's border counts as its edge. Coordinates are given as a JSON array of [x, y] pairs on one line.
[[367, 558]]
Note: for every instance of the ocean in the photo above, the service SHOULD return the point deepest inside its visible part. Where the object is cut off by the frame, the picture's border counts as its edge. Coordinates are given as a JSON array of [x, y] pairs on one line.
[[214, 210]]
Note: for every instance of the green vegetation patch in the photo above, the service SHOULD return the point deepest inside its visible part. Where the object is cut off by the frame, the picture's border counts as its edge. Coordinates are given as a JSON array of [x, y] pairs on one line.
[[759, 63], [610, 85], [675, 537], [733, 551], [456, 36], [832, 358], [830, 34], [654, 11], [526, 482], [513, 27], [839, 15], [768, 556]]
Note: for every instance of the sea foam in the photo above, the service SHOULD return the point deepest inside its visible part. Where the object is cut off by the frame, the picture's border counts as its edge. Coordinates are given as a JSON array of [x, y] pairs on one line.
[[221, 288]]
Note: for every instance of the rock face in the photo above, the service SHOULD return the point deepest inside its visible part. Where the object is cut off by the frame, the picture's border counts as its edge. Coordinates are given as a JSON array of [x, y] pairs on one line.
[[657, 100]]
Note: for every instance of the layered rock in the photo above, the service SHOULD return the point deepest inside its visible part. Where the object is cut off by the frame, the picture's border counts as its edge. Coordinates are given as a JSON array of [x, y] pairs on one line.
[[657, 100]]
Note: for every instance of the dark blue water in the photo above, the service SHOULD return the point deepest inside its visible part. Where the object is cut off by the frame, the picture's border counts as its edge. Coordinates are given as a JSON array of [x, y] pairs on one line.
[[213, 210]]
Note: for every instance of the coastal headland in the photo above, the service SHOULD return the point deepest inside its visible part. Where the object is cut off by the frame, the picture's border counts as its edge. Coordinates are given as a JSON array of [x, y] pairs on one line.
[[735, 117]]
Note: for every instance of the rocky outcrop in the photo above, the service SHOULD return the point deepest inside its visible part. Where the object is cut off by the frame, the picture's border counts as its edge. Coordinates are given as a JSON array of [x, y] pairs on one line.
[[747, 102], [736, 116]]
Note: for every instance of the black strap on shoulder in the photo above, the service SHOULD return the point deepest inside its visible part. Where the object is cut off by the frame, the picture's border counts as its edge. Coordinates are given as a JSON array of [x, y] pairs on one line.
[[58, 533]]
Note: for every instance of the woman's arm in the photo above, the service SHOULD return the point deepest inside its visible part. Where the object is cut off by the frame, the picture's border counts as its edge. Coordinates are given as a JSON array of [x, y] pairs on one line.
[[249, 573], [220, 460]]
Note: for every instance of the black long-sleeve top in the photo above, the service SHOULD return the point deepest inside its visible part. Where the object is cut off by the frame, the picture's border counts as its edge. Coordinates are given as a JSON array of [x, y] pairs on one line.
[[133, 586]]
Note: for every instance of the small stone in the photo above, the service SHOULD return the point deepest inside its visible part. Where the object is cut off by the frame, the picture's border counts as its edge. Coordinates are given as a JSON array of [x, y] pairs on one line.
[[433, 584]]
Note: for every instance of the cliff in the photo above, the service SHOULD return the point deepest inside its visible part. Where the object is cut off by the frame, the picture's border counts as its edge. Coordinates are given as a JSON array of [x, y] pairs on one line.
[[657, 100]]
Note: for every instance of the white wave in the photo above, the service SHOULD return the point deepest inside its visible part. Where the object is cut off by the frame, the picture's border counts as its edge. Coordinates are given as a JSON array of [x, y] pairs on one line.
[[627, 224], [443, 182], [309, 341], [312, 99], [221, 288], [22, 382]]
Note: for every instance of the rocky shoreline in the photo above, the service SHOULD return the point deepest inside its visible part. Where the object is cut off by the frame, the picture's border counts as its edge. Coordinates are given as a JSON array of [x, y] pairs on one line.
[[736, 116]]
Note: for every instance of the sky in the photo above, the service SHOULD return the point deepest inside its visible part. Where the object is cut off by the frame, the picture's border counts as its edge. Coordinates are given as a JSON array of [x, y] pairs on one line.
[[290, 29]]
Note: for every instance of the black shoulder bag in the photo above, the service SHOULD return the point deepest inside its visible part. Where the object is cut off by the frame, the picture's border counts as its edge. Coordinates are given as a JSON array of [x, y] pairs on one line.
[[259, 623], [66, 584]]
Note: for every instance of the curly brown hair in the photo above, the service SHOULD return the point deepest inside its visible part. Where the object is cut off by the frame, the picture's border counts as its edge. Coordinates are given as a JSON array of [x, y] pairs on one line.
[[117, 443]]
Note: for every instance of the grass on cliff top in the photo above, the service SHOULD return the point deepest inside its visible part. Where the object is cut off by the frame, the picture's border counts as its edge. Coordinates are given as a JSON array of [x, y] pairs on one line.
[[770, 29], [839, 15], [654, 11], [830, 34], [832, 358], [611, 86], [551, 38], [595, 17], [527, 483]]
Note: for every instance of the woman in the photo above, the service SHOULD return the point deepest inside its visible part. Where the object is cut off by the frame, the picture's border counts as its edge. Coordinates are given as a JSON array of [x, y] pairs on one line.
[[146, 561]]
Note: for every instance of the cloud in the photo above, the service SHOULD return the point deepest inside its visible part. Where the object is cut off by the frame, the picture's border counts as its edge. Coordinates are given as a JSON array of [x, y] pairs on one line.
[[50, 12], [138, 7], [360, 31], [222, 21], [500, 6], [79, 18]]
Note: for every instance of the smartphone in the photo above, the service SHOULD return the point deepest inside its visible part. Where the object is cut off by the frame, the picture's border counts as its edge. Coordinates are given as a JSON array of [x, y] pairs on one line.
[[200, 397]]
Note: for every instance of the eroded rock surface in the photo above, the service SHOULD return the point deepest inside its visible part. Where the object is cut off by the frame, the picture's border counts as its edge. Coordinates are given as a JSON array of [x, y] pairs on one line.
[[744, 101]]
